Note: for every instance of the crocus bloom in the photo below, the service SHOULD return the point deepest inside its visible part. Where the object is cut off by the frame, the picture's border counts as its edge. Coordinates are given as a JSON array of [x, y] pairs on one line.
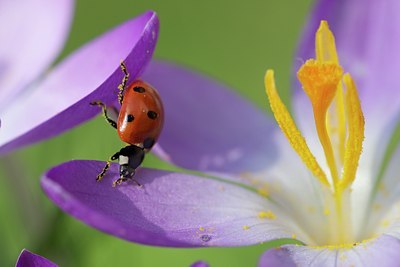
[[200, 264], [58, 99], [335, 194], [29, 259]]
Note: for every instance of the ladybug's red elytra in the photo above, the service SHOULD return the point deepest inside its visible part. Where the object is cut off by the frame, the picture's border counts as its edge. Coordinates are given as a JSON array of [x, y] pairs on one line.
[[140, 121]]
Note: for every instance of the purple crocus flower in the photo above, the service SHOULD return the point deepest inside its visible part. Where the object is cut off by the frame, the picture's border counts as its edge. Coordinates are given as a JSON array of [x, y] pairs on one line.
[[264, 191], [200, 264], [37, 102], [29, 259]]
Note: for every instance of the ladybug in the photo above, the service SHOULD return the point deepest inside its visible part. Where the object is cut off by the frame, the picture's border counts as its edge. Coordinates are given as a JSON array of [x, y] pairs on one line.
[[139, 124]]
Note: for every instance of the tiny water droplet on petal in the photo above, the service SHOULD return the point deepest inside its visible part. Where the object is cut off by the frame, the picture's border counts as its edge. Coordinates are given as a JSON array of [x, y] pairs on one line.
[[205, 238]]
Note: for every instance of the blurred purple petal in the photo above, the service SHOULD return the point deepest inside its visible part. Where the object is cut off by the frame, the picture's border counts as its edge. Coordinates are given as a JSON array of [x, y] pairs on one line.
[[276, 257], [92, 73], [200, 264], [382, 251], [29, 259], [171, 209], [207, 126], [32, 35]]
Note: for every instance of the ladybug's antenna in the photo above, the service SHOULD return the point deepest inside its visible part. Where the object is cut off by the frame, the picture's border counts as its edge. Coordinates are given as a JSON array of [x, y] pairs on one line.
[[121, 86]]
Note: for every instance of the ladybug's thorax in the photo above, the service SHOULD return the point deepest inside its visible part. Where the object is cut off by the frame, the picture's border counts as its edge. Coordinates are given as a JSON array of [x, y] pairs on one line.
[[129, 159], [141, 116]]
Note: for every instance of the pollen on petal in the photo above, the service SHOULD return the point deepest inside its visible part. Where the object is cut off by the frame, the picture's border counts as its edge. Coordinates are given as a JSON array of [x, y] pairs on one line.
[[267, 215], [327, 211], [263, 191], [246, 227]]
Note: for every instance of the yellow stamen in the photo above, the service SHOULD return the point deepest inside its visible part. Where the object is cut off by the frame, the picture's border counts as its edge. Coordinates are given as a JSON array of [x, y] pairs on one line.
[[289, 128], [320, 81], [325, 51], [354, 142]]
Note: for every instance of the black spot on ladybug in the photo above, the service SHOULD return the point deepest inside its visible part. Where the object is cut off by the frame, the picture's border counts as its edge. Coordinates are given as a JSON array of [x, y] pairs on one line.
[[130, 118], [152, 115], [139, 89], [148, 143]]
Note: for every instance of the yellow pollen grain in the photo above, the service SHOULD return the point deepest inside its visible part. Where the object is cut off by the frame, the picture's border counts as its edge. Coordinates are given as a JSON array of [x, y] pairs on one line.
[[267, 215], [294, 236], [201, 228], [263, 191], [246, 227], [385, 223], [327, 211]]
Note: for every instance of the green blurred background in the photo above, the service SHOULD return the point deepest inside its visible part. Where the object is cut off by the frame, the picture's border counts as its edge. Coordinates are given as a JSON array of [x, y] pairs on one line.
[[232, 41]]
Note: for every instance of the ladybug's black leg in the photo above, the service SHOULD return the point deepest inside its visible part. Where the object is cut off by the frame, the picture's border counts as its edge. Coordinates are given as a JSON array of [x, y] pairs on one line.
[[119, 181], [122, 85], [107, 166], [136, 182], [124, 179], [105, 113]]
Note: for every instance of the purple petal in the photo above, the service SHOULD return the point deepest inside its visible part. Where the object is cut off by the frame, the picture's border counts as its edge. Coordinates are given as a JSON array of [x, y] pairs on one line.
[[208, 127], [367, 38], [32, 35], [276, 257], [200, 264], [382, 251], [61, 100], [29, 259], [171, 209]]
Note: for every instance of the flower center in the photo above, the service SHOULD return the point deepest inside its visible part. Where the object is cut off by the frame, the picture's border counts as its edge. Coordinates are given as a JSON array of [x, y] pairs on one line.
[[338, 117]]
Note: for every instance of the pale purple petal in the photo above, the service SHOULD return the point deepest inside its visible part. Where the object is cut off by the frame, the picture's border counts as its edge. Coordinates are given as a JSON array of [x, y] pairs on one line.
[[382, 251], [171, 209], [384, 201], [276, 257], [32, 35], [29, 259], [200, 264], [207, 126], [61, 100]]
